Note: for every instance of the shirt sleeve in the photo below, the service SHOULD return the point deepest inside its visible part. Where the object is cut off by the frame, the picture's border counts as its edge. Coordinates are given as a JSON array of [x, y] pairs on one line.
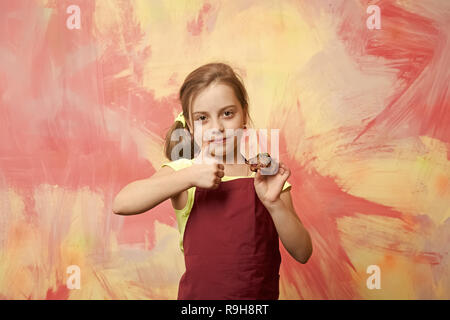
[[170, 164], [178, 164]]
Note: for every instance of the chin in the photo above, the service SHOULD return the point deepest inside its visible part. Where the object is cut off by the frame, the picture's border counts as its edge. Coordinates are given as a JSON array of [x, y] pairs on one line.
[[224, 152]]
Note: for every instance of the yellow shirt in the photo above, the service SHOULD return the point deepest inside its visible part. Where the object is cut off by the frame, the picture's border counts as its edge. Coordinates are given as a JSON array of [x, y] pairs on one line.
[[182, 215]]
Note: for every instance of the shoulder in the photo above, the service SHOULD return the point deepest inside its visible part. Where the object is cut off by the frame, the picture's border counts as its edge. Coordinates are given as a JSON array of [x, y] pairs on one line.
[[178, 164]]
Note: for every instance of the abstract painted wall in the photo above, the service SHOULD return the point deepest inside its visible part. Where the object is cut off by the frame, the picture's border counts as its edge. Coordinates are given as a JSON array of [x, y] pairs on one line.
[[88, 89]]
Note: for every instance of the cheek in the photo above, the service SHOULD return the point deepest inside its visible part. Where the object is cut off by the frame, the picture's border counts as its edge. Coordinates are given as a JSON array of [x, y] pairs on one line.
[[235, 122], [200, 134], [205, 131], [232, 143]]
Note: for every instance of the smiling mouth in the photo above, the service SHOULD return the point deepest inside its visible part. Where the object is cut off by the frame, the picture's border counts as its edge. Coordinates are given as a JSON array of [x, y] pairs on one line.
[[218, 141]]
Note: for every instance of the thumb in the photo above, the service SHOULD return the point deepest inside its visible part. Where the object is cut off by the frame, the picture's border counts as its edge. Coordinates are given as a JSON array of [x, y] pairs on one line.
[[201, 155], [258, 176], [205, 154]]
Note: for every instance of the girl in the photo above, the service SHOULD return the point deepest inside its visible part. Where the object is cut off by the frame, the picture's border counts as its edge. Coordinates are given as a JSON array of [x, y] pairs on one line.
[[229, 218]]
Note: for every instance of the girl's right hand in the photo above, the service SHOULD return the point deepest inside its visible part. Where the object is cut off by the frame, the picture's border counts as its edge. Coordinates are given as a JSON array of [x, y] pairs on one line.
[[207, 175], [206, 171]]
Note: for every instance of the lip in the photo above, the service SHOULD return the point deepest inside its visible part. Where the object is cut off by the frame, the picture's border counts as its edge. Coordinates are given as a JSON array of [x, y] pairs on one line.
[[218, 141]]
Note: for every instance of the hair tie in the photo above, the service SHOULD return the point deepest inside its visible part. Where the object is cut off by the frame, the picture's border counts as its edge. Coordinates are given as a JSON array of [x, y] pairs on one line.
[[180, 118]]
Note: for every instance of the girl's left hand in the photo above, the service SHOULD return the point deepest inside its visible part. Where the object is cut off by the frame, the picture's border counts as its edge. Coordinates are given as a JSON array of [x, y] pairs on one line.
[[268, 187]]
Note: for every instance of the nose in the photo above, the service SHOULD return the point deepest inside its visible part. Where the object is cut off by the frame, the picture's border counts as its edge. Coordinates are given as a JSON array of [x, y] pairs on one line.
[[217, 129], [217, 126]]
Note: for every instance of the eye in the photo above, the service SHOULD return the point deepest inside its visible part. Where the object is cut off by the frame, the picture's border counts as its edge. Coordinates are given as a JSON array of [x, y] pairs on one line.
[[229, 112], [202, 118]]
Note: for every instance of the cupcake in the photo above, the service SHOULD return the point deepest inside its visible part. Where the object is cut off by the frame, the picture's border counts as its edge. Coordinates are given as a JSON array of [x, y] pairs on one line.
[[262, 160]]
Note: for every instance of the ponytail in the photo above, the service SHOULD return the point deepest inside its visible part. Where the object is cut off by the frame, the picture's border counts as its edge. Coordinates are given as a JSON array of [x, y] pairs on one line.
[[179, 136]]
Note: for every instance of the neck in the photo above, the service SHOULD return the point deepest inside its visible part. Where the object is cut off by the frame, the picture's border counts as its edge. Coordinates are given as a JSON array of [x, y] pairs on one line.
[[238, 159], [237, 167]]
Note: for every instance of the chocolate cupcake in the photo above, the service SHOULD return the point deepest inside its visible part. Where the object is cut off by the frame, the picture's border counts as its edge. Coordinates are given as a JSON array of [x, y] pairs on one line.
[[262, 160]]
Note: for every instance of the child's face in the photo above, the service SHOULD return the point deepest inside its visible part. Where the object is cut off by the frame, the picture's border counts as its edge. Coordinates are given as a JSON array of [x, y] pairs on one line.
[[217, 109]]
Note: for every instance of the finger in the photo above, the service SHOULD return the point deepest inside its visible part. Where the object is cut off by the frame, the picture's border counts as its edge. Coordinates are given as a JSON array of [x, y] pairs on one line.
[[258, 175], [282, 167], [208, 159], [221, 174], [205, 151], [202, 156], [219, 169], [211, 160], [286, 170], [285, 167]]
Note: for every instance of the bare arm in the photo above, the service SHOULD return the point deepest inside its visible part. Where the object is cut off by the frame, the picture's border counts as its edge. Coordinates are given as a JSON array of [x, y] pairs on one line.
[[293, 235], [142, 195]]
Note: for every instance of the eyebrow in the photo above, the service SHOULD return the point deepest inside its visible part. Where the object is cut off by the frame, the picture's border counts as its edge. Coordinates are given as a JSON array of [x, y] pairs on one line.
[[231, 105]]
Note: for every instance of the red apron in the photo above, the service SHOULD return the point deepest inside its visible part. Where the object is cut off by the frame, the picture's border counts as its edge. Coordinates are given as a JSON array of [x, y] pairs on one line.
[[230, 246]]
